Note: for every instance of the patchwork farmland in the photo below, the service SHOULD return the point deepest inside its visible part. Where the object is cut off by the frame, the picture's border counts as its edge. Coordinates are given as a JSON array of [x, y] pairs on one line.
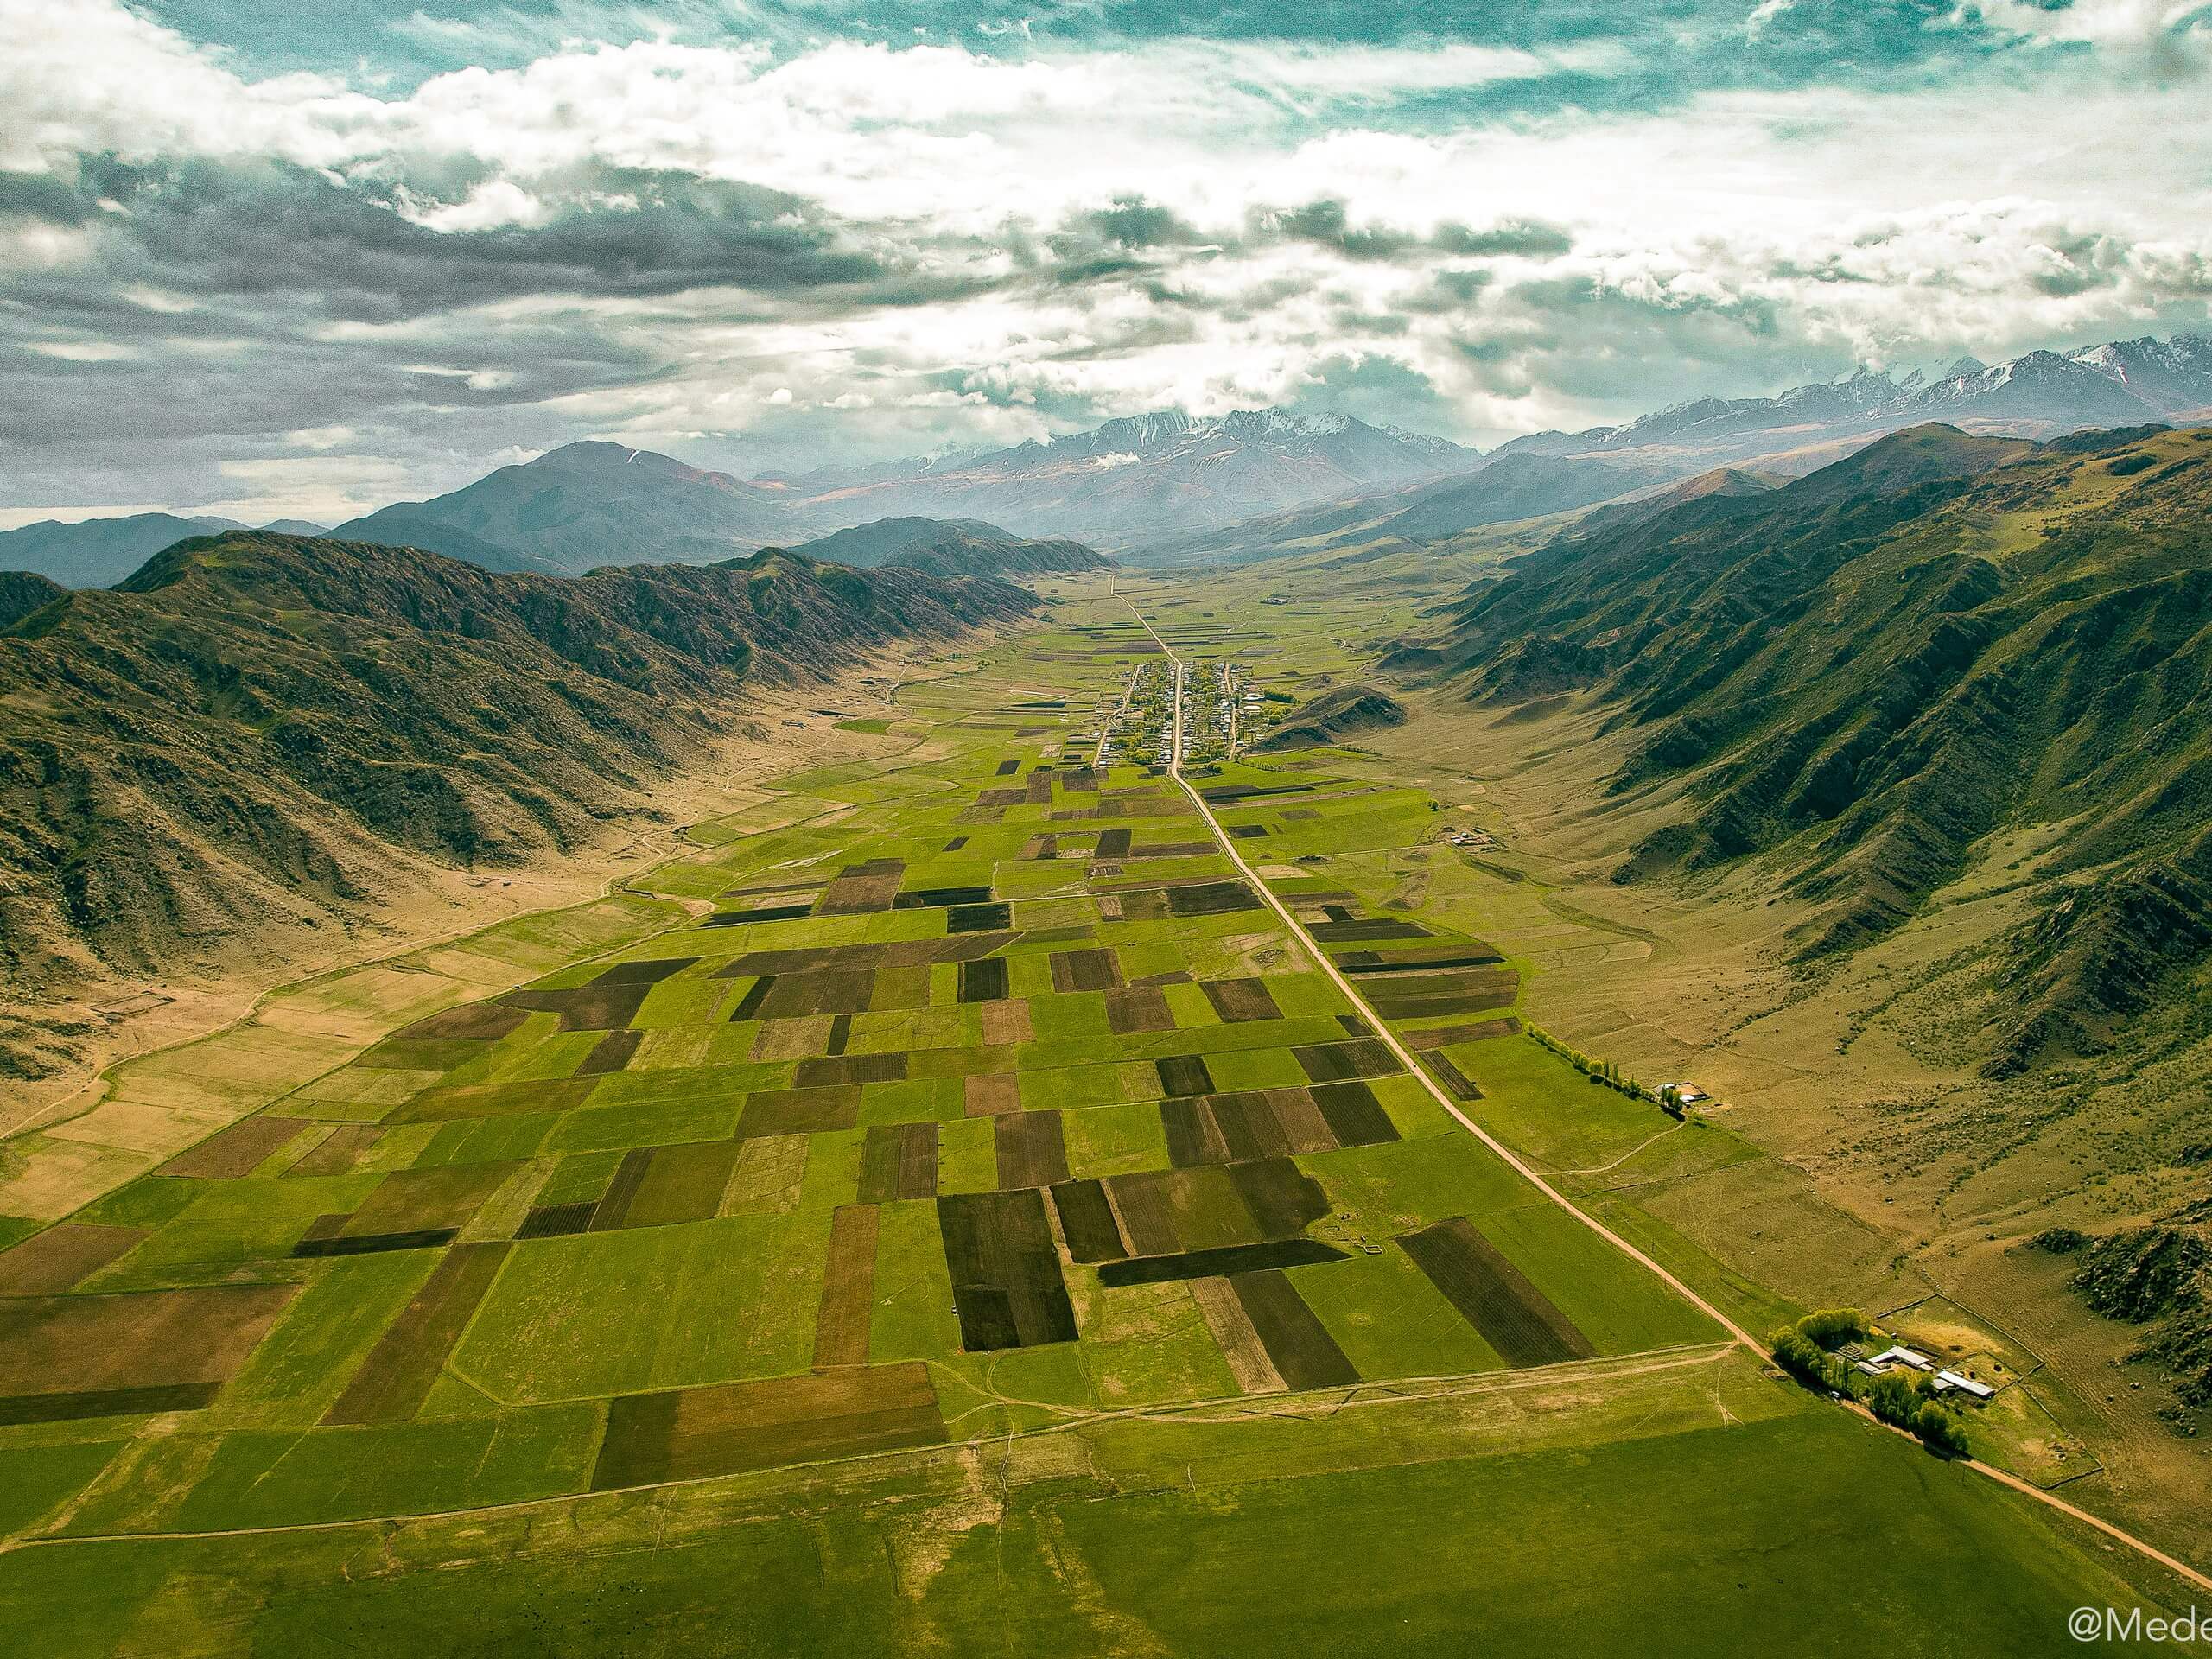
[[948, 1182]]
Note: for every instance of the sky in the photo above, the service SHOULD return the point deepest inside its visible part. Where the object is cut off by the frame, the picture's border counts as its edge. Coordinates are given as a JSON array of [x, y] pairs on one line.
[[268, 259]]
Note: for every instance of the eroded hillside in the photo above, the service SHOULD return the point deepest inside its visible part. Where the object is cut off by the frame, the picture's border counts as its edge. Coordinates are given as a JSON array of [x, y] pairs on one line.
[[1865, 674], [259, 729]]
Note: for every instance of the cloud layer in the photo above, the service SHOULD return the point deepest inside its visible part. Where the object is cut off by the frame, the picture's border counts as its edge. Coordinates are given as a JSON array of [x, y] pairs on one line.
[[301, 274]]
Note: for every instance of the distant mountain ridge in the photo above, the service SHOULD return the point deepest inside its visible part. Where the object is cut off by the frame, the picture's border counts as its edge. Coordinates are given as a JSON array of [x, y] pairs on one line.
[[99, 552], [2120, 383], [1500, 489], [1126, 482], [1168, 487], [587, 505], [590, 503], [960, 547]]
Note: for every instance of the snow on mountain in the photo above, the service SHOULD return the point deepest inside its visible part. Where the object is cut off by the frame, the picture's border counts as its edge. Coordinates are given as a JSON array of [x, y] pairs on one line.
[[1143, 477], [2039, 394]]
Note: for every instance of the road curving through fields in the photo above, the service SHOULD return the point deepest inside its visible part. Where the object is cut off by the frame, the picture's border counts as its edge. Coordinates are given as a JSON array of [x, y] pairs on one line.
[[1228, 845]]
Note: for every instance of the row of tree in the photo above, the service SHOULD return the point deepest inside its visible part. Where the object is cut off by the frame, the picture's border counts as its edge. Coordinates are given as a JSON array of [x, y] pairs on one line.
[[1598, 1070]]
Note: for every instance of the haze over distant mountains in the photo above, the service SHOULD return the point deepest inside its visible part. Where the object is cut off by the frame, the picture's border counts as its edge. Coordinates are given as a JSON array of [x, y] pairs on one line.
[[1174, 489], [100, 552], [591, 504], [2122, 383], [960, 547]]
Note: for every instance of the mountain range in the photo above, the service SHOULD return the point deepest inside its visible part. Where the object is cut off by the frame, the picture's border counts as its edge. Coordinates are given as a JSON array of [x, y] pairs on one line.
[[2120, 383], [1861, 676], [254, 730], [587, 505], [960, 547], [1130, 481], [100, 552], [1502, 489], [1174, 489]]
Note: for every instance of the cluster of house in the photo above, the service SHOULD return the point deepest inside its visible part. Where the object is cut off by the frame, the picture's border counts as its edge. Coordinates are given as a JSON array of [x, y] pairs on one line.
[[1947, 1382]]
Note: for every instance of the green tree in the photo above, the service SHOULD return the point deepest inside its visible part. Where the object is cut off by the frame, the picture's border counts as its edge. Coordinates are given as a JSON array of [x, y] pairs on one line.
[[1941, 1430], [1894, 1400], [1832, 1326]]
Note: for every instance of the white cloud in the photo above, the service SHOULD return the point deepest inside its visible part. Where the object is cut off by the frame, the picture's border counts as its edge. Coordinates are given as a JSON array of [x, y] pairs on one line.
[[84, 351], [1709, 241]]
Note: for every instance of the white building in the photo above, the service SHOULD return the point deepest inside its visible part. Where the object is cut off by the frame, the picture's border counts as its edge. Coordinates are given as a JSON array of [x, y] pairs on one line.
[[1900, 1356], [1947, 1382]]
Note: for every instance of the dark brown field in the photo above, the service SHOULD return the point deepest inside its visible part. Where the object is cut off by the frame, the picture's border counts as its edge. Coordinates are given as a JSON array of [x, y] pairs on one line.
[[1138, 1007], [898, 1160], [609, 1002], [985, 1094], [1411, 997], [1085, 970], [1183, 1074], [978, 918], [1334, 1062], [861, 889], [395, 1377], [1512, 1315], [49, 1262], [1007, 1286], [1147, 1217], [613, 1209], [472, 1021], [64, 1357], [1283, 1198], [1211, 898], [1240, 1000], [610, 1053], [1347, 929], [229, 1153], [1299, 1345], [557, 1220], [1194, 1135], [1462, 1086], [984, 981], [1087, 1222], [1354, 1115], [1445, 1036], [1031, 1150], [828, 1070], [847, 1288], [338, 1151], [726, 1427], [1219, 1261]]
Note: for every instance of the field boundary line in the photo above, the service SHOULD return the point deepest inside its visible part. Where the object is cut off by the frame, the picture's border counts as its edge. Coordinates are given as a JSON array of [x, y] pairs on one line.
[[1227, 844], [1381, 1393]]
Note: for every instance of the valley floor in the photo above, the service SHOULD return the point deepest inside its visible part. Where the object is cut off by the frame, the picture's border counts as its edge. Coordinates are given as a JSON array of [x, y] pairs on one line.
[[111, 1016], [948, 1206]]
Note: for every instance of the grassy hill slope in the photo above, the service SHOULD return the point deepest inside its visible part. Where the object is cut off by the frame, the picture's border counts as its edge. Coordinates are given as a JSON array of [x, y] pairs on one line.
[[255, 726], [953, 547], [1865, 674]]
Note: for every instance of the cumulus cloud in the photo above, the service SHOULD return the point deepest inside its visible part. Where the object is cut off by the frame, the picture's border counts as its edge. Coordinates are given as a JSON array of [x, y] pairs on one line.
[[782, 242]]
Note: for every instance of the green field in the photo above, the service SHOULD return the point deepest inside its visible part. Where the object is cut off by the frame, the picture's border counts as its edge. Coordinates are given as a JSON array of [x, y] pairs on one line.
[[973, 1223]]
